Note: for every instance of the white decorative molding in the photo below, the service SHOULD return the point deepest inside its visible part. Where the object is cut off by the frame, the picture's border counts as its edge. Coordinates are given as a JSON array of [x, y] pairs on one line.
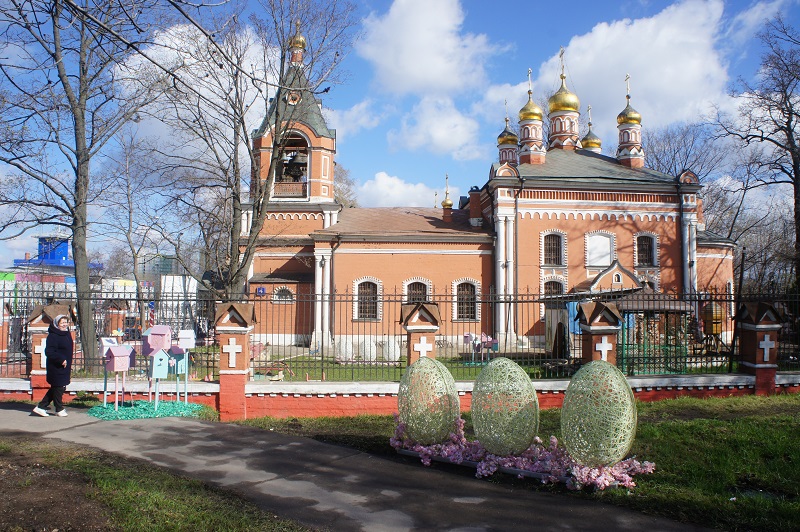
[[564, 247], [600, 232], [454, 291], [370, 279], [656, 249], [547, 278], [294, 216], [557, 214], [427, 282], [283, 301]]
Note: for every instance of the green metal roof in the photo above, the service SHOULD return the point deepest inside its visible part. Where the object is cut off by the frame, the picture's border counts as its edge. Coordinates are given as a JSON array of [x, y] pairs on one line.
[[306, 111], [588, 167]]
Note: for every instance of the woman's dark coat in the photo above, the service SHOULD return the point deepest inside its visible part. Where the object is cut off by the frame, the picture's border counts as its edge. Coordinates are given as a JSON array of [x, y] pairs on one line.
[[58, 349]]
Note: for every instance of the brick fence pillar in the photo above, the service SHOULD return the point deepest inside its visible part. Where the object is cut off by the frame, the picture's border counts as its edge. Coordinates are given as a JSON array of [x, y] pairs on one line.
[[600, 323], [5, 323], [234, 321], [421, 322], [759, 324]]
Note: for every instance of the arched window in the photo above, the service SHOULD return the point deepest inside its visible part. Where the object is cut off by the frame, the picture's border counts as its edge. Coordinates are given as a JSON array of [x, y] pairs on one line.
[[553, 255], [295, 160], [367, 301], [553, 288], [466, 302], [283, 295], [599, 249], [416, 292], [645, 251]]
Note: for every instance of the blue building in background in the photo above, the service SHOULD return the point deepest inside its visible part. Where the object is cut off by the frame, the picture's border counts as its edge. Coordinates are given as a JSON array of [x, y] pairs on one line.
[[53, 258]]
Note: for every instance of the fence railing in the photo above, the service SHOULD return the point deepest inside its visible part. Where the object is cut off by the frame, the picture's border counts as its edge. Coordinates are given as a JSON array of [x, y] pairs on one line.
[[337, 337]]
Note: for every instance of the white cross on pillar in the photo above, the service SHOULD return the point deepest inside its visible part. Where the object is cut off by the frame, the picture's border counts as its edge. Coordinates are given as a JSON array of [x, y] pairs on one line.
[[39, 350], [232, 349], [604, 347], [766, 345], [423, 347]]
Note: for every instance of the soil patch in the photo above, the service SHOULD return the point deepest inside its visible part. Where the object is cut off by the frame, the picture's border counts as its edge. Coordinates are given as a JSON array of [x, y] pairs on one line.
[[36, 497]]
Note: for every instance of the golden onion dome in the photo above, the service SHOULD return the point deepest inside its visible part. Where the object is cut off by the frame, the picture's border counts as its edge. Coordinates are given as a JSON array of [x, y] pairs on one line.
[[629, 115], [530, 111], [297, 40], [507, 137], [563, 99], [591, 140], [447, 203]]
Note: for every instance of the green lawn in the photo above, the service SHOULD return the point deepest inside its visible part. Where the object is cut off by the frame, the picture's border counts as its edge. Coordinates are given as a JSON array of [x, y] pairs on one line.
[[727, 463]]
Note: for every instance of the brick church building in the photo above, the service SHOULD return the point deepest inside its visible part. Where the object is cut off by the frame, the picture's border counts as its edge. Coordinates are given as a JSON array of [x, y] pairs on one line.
[[556, 217]]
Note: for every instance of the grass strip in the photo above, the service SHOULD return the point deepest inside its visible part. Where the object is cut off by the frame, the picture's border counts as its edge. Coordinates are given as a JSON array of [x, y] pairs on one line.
[[730, 463], [139, 496]]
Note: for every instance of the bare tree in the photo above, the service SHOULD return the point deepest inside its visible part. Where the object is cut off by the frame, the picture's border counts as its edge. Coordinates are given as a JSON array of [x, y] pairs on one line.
[[232, 76], [65, 94], [686, 146], [768, 116], [134, 202], [345, 193]]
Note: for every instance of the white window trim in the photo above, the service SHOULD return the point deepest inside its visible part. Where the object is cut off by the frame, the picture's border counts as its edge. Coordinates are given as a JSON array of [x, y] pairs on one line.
[[477, 285], [379, 283], [289, 301], [656, 249], [427, 282], [564, 258], [601, 232]]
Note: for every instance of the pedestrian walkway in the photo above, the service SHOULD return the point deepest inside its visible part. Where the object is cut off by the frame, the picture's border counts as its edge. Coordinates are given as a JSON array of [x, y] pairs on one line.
[[327, 486]]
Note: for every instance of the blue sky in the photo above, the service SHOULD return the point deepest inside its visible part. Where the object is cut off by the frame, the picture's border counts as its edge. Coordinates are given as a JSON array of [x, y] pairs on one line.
[[426, 84], [428, 80]]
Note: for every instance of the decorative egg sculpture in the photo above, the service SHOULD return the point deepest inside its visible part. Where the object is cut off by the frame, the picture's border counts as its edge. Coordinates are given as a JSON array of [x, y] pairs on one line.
[[598, 417], [505, 408], [428, 401]]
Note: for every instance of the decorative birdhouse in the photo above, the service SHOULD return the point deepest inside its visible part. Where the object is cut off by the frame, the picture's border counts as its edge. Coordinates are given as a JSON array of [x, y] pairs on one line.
[[179, 363], [186, 339], [118, 358], [155, 338], [159, 365]]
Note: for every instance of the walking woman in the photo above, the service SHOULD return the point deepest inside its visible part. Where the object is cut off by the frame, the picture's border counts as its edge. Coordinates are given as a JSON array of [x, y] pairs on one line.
[[58, 350]]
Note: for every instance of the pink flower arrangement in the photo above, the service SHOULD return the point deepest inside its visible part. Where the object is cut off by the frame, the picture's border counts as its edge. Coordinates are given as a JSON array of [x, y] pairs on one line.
[[550, 464]]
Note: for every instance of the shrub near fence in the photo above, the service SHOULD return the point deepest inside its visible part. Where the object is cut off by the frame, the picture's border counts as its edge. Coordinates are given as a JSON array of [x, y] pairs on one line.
[[660, 335]]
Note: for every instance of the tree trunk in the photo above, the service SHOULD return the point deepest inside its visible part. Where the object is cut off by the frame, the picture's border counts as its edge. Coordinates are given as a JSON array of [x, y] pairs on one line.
[[83, 286]]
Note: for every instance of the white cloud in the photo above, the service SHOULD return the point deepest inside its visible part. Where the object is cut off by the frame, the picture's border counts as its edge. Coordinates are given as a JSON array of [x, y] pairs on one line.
[[436, 126], [391, 191], [676, 69], [747, 23], [350, 121], [495, 99], [417, 47]]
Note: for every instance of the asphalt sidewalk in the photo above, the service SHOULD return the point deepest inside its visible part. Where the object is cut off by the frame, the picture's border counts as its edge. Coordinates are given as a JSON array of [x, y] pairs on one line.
[[326, 486]]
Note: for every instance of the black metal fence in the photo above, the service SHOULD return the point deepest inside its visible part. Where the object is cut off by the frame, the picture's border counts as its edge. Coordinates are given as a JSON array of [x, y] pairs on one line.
[[339, 337]]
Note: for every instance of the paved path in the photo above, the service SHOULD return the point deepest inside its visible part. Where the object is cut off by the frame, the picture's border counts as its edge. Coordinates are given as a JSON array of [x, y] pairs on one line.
[[326, 486]]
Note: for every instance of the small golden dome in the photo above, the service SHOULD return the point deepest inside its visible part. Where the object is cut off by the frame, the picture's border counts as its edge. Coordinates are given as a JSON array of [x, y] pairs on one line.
[[507, 137], [297, 40], [447, 203], [591, 140], [629, 115], [530, 111], [563, 99]]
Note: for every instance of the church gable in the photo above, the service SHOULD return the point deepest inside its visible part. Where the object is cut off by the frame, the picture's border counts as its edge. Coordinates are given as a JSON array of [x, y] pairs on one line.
[[615, 278]]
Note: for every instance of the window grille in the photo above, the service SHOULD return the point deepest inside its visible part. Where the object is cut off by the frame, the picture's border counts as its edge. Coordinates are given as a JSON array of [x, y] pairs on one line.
[[465, 302]]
